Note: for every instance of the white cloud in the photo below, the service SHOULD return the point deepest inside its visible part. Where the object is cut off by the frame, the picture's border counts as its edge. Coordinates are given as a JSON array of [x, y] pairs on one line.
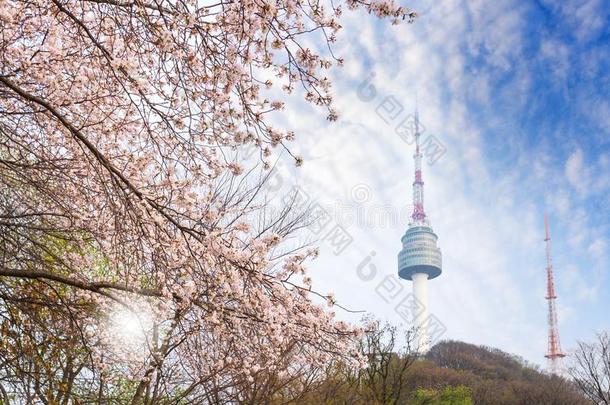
[[556, 55], [577, 174], [581, 286], [585, 18], [585, 176], [598, 247]]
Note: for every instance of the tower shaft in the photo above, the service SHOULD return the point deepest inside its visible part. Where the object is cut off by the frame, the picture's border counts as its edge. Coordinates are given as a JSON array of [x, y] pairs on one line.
[[420, 292], [554, 352]]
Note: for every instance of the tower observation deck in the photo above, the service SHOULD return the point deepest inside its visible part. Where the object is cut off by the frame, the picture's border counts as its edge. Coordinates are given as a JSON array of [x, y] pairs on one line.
[[419, 253], [420, 258]]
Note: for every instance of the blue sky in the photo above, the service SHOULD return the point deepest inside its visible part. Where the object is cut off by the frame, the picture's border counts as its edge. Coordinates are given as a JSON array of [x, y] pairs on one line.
[[518, 94]]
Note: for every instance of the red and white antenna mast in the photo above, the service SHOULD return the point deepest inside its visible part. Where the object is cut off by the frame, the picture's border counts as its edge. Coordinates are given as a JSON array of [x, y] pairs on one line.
[[554, 353], [418, 216]]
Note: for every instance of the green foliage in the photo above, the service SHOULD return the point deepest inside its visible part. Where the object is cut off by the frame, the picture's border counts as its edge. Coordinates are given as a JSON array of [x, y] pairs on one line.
[[459, 395], [424, 396]]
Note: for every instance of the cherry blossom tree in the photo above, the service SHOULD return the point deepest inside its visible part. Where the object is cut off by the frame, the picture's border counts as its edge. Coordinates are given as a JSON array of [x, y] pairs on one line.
[[122, 202]]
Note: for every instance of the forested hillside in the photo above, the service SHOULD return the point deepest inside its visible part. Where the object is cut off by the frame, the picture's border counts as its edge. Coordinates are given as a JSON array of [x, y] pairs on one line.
[[452, 373], [495, 377]]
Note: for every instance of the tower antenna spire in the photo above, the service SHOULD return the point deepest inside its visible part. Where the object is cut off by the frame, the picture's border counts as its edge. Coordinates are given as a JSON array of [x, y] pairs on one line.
[[554, 353], [419, 215], [417, 133]]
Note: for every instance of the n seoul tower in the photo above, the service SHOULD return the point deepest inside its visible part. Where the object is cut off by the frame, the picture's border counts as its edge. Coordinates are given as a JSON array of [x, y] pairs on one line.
[[420, 258]]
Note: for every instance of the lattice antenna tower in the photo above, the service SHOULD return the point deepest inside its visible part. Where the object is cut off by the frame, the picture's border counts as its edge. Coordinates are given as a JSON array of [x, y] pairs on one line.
[[554, 353]]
